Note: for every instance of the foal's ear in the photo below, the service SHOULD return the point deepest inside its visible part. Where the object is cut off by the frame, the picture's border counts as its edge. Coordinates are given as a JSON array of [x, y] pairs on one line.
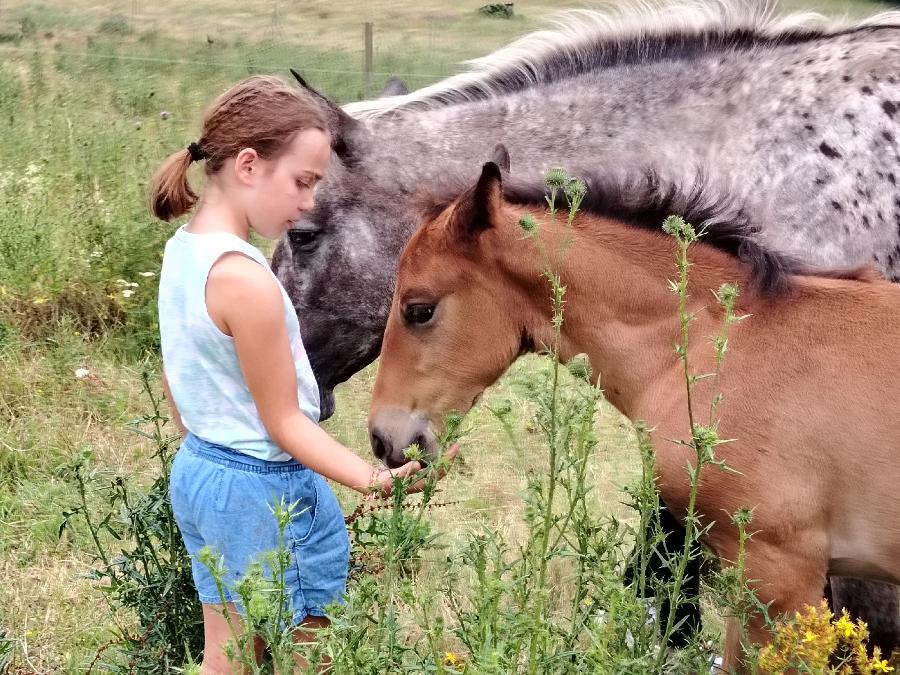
[[478, 208]]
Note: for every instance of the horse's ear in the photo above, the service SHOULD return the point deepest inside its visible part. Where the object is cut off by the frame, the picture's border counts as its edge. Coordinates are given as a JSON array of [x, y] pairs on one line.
[[479, 207], [346, 131], [302, 81], [395, 87], [501, 157]]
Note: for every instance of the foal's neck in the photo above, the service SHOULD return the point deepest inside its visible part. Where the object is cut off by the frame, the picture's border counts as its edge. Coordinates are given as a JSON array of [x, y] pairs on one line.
[[619, 307]]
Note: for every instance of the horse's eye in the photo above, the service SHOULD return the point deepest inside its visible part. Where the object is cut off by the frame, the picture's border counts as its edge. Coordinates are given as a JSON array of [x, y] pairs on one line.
[[303, 240], [418, 314]]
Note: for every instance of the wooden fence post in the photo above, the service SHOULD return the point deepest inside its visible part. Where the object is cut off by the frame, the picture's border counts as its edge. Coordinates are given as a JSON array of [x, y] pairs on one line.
[[368, 58]]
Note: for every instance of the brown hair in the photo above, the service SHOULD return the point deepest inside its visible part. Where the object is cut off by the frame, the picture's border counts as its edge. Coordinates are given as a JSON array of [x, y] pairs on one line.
[[260, 112]]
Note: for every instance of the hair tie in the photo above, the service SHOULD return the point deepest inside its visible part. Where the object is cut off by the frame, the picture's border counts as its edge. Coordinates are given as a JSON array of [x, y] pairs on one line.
[[196, 151]]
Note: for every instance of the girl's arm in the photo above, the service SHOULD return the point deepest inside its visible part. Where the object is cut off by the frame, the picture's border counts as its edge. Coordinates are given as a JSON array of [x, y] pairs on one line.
[[245, 302]]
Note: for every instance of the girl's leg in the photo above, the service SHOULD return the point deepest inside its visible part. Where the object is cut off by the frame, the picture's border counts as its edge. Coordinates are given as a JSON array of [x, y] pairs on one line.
[[216, 633], [306, 633]]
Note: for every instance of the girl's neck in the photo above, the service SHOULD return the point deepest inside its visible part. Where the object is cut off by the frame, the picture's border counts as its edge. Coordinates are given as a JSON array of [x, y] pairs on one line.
[[217, 215]]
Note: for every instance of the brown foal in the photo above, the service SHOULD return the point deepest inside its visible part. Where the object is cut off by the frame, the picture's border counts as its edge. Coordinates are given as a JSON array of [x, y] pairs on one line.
[[810, 382]]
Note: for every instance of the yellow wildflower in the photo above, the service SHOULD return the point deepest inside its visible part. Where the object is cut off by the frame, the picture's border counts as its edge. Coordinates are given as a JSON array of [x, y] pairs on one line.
[[845, 626], [450, 659]]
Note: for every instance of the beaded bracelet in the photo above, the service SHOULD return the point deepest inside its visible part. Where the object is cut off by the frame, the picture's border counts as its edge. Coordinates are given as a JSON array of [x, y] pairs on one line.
[[375, 484]]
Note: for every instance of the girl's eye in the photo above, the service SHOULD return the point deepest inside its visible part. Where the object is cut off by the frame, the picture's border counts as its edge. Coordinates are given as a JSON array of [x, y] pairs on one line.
[[418, 314]]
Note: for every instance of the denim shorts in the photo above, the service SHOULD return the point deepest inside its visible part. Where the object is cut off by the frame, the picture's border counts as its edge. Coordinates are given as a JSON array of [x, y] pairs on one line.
[[223, 499]]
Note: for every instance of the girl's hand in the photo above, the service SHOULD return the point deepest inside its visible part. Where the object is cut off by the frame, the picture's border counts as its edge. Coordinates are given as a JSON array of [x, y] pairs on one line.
[[383, 481]]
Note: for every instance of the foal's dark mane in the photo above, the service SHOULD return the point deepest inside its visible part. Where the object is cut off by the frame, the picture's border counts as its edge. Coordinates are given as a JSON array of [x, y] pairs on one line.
[[644, 201]]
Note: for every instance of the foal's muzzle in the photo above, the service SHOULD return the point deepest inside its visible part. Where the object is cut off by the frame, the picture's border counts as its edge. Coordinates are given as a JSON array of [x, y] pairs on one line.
[[391, 432]]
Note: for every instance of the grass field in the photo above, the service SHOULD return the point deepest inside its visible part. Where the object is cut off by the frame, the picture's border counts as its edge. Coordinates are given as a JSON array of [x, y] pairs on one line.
[[82, 88]]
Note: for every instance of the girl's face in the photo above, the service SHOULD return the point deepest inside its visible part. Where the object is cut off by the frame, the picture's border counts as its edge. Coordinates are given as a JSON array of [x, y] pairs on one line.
[[283, 189]]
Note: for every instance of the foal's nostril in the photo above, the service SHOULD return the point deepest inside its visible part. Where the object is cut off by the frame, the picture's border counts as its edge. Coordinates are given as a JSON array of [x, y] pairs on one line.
[[379, 447]]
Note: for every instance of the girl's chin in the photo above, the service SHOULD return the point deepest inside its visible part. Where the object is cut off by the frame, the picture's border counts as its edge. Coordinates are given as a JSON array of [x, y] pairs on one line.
[[274, 233]]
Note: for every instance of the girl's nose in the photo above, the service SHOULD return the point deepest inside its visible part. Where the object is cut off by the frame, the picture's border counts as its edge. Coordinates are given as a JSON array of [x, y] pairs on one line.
[[307, 202]]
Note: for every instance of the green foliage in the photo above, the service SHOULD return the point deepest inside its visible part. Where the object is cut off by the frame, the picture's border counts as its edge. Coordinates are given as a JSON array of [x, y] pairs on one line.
[[145, 569], [498, 10], [114, 25]]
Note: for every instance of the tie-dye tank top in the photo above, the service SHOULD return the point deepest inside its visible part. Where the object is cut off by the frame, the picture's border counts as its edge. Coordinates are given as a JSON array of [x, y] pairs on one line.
[[200, 361]]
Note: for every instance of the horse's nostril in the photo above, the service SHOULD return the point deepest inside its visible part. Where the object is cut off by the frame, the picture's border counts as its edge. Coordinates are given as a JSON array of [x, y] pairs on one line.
[[379, 447]]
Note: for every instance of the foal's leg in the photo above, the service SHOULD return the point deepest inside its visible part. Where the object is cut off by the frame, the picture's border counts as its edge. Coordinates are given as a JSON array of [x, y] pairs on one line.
[[306, 633], [660, 568], [788, 579]]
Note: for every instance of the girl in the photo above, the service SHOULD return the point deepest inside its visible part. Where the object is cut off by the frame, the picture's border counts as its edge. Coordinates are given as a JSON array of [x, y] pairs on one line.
[[241, 387]]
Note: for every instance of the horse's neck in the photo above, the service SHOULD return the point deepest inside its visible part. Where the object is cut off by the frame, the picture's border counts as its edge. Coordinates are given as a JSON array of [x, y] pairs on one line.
[[619, 307], [600, 114]]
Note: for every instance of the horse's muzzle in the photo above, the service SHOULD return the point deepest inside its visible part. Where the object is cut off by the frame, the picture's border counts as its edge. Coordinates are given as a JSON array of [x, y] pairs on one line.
[[326, 403], [391, 432]]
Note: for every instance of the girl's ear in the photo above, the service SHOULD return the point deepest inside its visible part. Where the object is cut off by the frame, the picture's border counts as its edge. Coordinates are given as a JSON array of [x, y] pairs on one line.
[[246, 163]]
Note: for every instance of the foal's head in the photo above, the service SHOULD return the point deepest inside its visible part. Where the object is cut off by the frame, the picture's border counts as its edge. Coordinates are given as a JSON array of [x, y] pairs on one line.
[[455, 321]]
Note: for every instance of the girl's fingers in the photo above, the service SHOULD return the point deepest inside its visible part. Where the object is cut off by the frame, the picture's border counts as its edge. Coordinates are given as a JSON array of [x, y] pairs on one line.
[[452, 452], [413, 468], [407, 469]]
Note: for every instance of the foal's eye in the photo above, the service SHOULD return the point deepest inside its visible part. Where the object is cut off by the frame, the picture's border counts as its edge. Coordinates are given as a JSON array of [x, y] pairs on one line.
[[418, 314], [303, 240]]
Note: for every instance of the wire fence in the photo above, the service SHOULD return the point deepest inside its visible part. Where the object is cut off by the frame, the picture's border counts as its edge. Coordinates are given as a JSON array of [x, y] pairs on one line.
[[419, 43]]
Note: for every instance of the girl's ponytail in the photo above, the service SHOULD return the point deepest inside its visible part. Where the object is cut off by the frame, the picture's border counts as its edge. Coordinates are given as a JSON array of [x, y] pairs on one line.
[[171, 195], [260, 112]]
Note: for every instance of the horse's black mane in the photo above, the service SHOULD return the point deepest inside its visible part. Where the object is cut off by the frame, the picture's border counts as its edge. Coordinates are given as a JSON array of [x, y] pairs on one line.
[[645, 201]]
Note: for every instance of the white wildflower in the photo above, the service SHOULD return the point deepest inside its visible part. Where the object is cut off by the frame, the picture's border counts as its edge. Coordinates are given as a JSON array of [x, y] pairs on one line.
[[127, 293], [81, 373]]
